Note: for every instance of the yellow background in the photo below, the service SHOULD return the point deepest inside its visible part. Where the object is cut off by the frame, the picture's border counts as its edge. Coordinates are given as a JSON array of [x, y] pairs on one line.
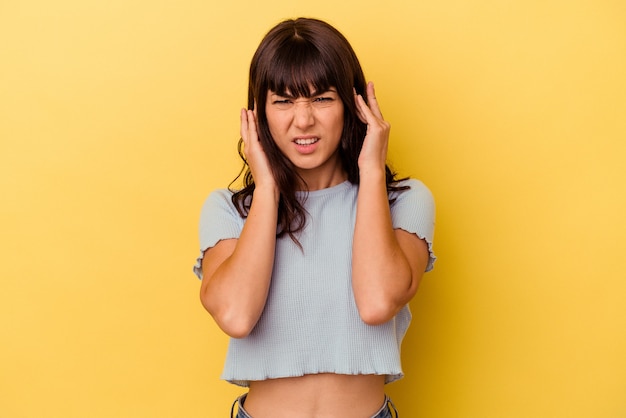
[[118, 117]]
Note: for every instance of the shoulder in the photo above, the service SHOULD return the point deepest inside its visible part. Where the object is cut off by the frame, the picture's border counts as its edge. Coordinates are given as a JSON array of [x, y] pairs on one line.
[[219, 218], [412, 183], [416, 193], [220, 195], [219, 200]]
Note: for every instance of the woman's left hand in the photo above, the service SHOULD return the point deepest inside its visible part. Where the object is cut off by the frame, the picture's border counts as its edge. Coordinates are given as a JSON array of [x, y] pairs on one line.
[[374, 152]]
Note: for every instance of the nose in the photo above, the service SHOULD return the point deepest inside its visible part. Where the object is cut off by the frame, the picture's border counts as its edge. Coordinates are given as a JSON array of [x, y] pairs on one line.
[[303, 114]]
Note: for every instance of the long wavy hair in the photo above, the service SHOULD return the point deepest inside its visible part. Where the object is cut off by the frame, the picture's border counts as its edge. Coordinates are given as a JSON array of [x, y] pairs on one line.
[[299, 57]]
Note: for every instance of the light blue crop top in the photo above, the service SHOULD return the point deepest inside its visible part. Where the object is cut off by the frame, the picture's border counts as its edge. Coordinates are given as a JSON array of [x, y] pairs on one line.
[[310, 323]]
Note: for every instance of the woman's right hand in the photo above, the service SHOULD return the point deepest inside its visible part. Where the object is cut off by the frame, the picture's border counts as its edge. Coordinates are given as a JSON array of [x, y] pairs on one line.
[[237, 272], [253, 151]]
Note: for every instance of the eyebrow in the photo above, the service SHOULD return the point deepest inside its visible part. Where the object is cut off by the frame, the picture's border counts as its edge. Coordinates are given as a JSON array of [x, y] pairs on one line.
[[315, 93]]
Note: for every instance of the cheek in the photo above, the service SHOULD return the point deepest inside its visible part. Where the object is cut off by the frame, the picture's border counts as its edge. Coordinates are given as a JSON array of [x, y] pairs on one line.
[[339, 118], [275, 122], [338, 123], [272, 125]]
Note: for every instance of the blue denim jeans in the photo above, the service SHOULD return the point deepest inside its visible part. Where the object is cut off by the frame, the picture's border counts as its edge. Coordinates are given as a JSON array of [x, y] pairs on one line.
[[384, 412]]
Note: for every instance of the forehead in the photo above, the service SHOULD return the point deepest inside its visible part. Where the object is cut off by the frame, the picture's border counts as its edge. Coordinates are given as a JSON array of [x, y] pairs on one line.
[[302, 76]]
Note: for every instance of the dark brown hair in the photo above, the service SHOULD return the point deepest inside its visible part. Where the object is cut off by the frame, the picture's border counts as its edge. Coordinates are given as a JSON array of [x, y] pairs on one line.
[[298, 57]]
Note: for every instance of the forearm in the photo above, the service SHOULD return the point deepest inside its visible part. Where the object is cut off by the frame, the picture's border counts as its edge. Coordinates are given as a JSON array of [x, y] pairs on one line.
[[236, 288], [381, 275]]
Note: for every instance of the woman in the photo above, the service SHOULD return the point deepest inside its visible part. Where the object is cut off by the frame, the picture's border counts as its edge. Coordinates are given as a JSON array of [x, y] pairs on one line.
[[310, 266]]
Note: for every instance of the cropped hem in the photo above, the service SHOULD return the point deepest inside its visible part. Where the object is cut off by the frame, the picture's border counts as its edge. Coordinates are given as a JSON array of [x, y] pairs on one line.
[[389, 378]]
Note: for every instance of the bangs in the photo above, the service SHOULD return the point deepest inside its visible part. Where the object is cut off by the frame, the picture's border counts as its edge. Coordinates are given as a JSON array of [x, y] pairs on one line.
[[299, 70]]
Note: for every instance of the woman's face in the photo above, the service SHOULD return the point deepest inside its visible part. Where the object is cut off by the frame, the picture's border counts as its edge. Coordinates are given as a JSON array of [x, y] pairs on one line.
[[307, 130]]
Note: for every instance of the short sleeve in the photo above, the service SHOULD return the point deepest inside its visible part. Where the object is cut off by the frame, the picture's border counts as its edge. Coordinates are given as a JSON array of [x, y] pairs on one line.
[[414, 211], [219, 220]]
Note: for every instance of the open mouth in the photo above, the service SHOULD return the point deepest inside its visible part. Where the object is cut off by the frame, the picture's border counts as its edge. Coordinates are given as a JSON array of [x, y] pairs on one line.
[[306, 141]]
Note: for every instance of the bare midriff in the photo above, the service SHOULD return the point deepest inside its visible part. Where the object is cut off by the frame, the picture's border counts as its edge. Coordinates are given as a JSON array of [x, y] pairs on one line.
[[323, 395]]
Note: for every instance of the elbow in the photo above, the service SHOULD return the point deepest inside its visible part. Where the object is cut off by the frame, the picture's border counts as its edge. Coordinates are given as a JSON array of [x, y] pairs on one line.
[[379, 308], [232, 322], [377, 314], [235, 329]]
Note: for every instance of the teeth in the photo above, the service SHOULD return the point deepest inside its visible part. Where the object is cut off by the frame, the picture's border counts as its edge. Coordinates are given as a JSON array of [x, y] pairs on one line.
[[307, 141]]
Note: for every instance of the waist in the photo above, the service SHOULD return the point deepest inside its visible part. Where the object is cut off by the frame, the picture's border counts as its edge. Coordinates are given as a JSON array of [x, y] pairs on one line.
[[316, 395]]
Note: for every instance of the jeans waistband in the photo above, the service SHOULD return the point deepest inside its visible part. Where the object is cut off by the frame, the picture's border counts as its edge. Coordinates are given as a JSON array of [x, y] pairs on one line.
[[383, 412]]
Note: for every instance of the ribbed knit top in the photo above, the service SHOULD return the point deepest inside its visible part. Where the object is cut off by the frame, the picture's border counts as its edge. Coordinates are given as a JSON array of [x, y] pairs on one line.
[[310, 323]]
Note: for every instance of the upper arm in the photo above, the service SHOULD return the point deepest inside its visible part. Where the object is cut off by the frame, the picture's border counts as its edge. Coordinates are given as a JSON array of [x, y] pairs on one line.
[[413, 216], [417, 254], [214, 257]]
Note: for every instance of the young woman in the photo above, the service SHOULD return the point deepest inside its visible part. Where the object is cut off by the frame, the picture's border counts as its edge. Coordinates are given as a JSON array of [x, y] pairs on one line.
[[310, 266]]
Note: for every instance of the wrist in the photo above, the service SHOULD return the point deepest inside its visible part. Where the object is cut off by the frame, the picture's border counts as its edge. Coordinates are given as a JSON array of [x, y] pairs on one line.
[[373, 174], [267, 190]]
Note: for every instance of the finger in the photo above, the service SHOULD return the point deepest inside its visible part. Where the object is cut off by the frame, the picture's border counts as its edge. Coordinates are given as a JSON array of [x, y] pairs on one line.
[[252, 128], [359, 113], [366, 114], [243, 130], [373, 102]]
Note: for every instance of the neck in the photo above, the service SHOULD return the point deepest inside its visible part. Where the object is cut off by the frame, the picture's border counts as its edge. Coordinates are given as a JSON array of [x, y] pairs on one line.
[[322, 179]]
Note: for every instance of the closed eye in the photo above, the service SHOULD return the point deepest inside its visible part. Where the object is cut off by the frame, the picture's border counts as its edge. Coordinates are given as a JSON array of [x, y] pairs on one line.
[[323, 101]]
